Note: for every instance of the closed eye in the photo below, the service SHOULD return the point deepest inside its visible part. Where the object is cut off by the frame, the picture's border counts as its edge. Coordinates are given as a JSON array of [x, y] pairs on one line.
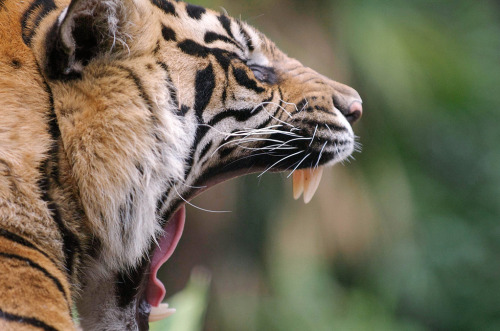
[[264, 74]]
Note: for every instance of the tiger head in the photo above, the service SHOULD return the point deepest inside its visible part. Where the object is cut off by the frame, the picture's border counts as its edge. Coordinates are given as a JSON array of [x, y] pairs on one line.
[[157, 101]]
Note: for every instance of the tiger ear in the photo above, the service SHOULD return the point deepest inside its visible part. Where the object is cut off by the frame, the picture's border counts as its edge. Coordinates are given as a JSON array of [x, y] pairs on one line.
[[85, 30]]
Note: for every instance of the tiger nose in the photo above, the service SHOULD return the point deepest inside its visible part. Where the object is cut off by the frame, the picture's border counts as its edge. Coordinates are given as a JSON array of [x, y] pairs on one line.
[[354, 112], [347, 101]]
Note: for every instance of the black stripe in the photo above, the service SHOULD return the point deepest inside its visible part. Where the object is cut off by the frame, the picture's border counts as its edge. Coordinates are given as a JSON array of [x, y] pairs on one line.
[[239, 115], [26, 320], [183, 110], [168, 34], [300, 106], [166, 6], [248, 39], [226, 151], [44, 7], [126, 212], [204, 88], [211, 37], [142, 92], [2, 4], [128, 283], [226, 24], [205, 150], [144, 96], [71, 244], [274, 116], [195, 12], [35, 265], [20, 240], [245, 81], [54, 131], [201, 131], [222, 56], [157, 48], [191, 47], [161, 203], [171, 88], [165, 217]]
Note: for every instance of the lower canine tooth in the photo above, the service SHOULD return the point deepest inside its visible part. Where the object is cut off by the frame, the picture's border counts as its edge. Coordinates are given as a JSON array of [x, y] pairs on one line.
[[298, 183], [312, 178], [161, 312]]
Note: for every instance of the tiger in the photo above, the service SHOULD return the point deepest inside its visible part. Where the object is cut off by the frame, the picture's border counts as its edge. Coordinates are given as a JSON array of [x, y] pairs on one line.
[[114, 114]]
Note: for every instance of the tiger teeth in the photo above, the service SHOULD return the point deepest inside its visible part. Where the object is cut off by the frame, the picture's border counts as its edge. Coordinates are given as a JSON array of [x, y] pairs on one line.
[[306, 181], [161, 312], [298, 183]]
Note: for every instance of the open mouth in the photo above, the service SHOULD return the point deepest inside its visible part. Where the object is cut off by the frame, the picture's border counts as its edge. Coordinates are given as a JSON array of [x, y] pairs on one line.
[[305, 181], [155, 291]]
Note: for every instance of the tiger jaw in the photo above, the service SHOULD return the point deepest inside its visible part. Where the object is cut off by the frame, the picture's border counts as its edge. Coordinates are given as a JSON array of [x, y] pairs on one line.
[[305, 181]]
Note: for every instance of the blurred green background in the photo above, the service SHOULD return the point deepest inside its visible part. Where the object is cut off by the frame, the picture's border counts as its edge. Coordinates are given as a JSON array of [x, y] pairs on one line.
[[407, 236]]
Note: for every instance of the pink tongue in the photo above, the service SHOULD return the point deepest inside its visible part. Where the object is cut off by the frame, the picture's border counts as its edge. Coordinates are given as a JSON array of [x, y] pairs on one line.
[[167, 243]]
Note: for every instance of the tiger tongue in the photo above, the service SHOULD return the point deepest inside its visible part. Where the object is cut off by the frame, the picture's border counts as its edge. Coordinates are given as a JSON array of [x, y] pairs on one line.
[[166, 245], [306, 181]]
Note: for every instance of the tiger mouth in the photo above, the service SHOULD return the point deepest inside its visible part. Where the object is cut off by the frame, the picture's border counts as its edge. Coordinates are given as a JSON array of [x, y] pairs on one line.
[[305, 181]]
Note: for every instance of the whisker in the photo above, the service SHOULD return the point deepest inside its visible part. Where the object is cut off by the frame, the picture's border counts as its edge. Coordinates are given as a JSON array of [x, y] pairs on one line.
[[196, 187], [281, 160], [331, 132], [241, 141], [314, 135], [292, 140], [249, 156], [298, 165], [320, 154], [272, 116], [192, 205]]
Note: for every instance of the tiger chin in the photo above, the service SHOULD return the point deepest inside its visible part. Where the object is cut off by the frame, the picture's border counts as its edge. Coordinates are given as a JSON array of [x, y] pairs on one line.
[[113, 115]]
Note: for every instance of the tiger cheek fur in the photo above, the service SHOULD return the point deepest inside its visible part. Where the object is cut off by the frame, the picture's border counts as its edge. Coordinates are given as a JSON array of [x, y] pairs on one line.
[[147, 103]]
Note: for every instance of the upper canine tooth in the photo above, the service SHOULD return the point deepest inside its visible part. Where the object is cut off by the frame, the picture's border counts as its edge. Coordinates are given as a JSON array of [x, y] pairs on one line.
[[298, 183], [312, 178], [161, 312]]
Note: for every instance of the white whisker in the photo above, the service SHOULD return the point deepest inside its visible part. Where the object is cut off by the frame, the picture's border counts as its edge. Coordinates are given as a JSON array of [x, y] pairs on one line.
[[279, 106], [331, 132], [314, 135], [298, 165], [242, 141], [281, 160], [192, 205], [320, 154], [196, 187]]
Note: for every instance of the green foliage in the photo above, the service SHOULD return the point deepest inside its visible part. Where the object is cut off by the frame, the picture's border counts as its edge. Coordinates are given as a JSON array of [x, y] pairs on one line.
[[190, 304]]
